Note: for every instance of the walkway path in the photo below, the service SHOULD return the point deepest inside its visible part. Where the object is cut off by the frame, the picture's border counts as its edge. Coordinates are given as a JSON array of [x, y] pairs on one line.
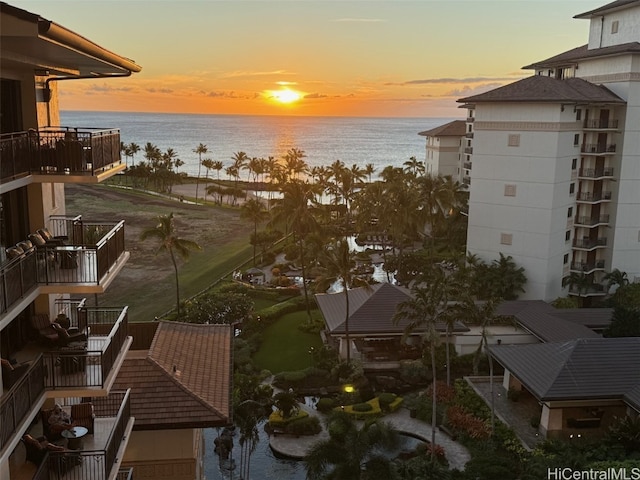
[[297, 447]]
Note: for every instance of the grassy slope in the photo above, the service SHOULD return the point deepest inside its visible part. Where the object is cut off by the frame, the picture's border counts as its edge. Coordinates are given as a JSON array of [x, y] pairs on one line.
[[285, 347]]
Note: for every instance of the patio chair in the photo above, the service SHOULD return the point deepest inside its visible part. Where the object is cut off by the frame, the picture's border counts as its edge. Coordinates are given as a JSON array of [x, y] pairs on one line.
[[83, 416]]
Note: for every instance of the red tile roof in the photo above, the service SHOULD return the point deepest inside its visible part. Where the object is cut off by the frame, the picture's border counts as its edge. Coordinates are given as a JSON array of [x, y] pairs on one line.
[[185, 379]]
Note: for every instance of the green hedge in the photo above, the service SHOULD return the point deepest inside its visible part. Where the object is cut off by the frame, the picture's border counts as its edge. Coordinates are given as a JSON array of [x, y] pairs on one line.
[[325, 404], [304, 426]]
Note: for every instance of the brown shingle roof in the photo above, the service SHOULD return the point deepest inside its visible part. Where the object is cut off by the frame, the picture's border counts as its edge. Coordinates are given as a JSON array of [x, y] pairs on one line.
[[609, 7], [185, 379], [457, 128], [539, 88], [574, 55]]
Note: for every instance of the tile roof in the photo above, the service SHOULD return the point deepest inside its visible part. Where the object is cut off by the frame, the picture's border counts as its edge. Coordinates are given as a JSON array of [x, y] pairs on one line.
[[594, 318], [574, 55], [609, 7], [548, 323], [586, 368], [540, 88], [372, 310], [457, 128], [185, 379]]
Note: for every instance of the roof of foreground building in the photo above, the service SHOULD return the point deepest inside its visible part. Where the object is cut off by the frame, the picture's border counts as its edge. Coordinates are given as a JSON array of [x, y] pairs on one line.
[[184, 381], [457, 128]]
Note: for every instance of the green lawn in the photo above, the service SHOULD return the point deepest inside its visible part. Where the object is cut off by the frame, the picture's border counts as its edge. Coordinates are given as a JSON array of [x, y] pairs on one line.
[[285, 347]]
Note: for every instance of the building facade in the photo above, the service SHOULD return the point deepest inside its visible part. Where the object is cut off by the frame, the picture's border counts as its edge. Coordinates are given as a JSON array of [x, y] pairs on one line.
[[556, 163], [446, 150], [54, 347]]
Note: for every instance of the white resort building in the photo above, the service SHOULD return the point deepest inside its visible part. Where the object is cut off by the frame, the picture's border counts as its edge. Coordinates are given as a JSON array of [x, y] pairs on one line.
[[555, 181]]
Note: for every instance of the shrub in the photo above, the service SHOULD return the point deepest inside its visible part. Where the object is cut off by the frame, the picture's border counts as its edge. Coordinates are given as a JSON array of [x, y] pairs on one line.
[[467, 423], [362, 407], [386, 399], [304, 426], [276, 420], [444, 393], [325, 404]]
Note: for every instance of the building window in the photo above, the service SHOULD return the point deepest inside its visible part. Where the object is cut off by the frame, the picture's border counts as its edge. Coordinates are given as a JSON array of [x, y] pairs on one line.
[[509, 190], [567, 236], [579, 114], [576, 139], [506, 238], [572, 188], [569, 212], [566, 258], [574, 164], [614, 26], [514, 140]]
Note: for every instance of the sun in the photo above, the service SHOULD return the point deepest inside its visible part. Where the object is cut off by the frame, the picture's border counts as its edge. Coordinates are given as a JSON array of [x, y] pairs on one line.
[[285, 95]]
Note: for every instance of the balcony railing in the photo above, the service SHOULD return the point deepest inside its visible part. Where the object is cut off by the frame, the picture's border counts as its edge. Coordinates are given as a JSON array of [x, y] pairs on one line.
[[468, 150], [125, 474], [469, 135], [589, 243], [593, 197], [471, 119], [598, 148], [59, 151], [591, 221], [17, 403], [17, 278], [467, 165], [73, 368], [587, 267], [466, 181], [595, 173], [597, 124], [593, 289], [96, 463]]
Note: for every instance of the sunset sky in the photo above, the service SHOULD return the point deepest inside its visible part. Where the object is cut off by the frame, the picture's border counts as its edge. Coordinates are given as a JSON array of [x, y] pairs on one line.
[[355, 58]]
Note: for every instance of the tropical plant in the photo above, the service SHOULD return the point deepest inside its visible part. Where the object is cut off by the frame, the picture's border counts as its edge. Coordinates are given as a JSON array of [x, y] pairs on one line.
[[287, 403], [200, 150], [616, 277], [579, 283], [254, 210], [165, 232], [352, 453], [625, 322]]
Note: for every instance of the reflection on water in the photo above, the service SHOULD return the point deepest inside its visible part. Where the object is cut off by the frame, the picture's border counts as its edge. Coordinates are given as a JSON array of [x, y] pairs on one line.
[[264, 464]]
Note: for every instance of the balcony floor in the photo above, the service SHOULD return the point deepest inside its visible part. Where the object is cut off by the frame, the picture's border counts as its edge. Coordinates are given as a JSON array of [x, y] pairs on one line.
[[20, 469]]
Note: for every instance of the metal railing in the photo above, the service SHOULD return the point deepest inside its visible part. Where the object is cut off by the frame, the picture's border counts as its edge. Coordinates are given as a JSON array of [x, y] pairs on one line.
[[76, 367], [17, 402], [591, 221], [92, 464], [590, 243], [593, 197], [125, 473], [596, 123], [468, 150], [598, 148], [587, 267], [59, 151], [596, 172], [18, 277], [467, 165]]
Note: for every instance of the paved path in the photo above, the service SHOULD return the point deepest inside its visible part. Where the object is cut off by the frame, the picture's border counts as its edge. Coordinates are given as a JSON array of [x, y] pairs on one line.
[[297, 447]]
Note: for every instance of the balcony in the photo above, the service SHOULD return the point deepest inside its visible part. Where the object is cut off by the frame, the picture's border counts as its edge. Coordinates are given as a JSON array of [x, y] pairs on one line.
[[592, 290], [597, 124], [587, 267], [69, 154], [591, 221], [468, 150], [103, 450], [469, 135], [589, 244], [18, 281], [467, 165], [590, 197], [598, 148], [471, 119], [81, 368], [593, 173], [466, 181], [18, 402]]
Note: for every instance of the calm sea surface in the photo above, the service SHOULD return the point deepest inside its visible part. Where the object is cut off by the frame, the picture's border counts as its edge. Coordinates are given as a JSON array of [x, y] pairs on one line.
[[354, 140]]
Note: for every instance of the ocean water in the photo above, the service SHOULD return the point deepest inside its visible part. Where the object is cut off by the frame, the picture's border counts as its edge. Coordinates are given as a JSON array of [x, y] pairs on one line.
[[354, 140]]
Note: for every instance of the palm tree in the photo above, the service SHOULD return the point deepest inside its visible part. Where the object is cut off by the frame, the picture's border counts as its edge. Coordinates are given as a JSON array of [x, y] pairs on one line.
[[580, 283], [253, 210], [207, 163], [337, 263], [135, 148], [217, 166], [414, 167], [352, 453], [369, 169], [616, 277], [165, 232], [200, 149], [423, 311]]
